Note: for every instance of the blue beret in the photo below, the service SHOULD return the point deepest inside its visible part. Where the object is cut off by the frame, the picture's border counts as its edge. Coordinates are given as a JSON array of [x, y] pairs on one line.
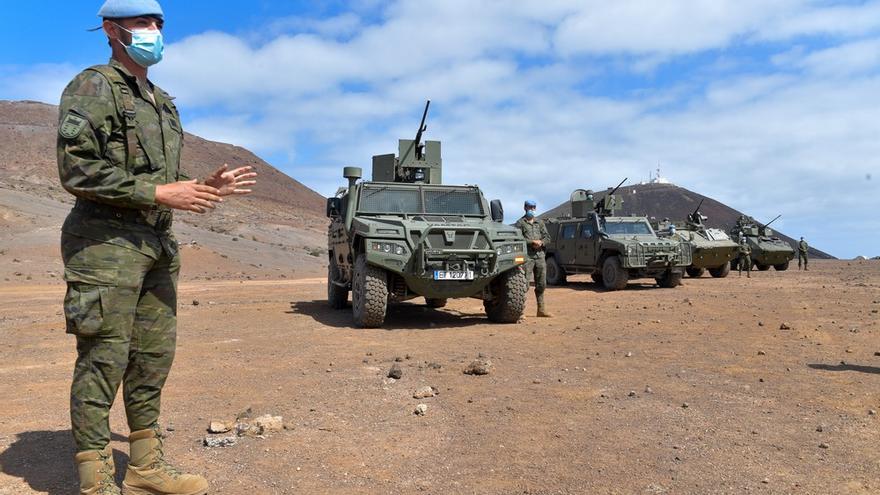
[[120, 9], [530, 203]]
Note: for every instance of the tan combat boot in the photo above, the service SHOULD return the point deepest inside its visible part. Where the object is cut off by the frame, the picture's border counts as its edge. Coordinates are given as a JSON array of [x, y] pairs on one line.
[[150, 474], [96, 472], [542, 311]]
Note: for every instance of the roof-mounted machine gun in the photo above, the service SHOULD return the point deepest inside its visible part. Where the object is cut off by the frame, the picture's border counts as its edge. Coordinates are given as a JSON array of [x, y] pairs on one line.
[[609, 203], [763, 230], [415, 162]]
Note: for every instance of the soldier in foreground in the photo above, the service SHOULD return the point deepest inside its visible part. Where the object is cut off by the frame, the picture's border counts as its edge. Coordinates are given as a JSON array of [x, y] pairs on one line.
[[119, 144], [803, 247], [745, 258], [535, 232]]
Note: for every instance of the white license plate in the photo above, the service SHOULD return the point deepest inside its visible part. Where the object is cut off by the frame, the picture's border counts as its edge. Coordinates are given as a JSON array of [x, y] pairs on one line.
[[445, 275]]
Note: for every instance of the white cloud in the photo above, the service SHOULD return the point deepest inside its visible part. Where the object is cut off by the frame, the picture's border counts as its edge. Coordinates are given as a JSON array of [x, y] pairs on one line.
[[42, 82]]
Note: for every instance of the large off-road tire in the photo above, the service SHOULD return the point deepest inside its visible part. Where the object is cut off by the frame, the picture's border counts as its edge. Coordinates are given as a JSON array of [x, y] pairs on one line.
[[337, 295], [614, 277], [435, 303], [597, 277], [555, 273], [762, 268], [695, 272], [510, 290], [781, 267], [721, 271], [670, 279], [369, 294]]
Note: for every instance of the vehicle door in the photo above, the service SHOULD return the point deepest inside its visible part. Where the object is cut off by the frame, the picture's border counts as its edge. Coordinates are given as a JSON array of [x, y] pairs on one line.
[[587, 242], [567, 242]]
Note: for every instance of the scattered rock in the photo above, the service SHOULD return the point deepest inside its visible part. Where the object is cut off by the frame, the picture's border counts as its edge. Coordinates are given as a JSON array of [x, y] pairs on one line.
[[628, 354], [820, 428], [632, 393], [536, 381], [395, 372], [424, 392], [227, 441], [784, 326], [219, 427], [823, 445], [872, 412], [685, 405], [267, 422], [760, 323], [421, 409], [649, 390], [478, 367], [762, 353], [169, 427], [195, 302]]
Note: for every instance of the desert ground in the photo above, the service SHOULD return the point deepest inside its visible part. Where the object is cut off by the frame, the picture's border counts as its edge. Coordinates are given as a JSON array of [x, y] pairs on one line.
[[761, 385]]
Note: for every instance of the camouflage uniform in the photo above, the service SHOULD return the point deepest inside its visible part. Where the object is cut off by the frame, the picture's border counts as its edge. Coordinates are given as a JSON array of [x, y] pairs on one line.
[[803, 248], [745, 259], [115, 144], [536, 264]]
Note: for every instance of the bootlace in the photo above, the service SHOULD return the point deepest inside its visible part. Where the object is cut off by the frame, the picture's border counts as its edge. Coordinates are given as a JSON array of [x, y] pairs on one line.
[[160, 463], [107, 483]]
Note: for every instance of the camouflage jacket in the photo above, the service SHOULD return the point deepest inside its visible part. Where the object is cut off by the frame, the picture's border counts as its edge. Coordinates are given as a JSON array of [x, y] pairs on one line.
[[116, 194], [803, 247], [745, 250], [533, 231]]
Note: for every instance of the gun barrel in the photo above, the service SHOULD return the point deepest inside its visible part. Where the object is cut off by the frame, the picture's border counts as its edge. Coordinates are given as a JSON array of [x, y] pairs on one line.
[[422, 126], [698, 206], [771, 221]]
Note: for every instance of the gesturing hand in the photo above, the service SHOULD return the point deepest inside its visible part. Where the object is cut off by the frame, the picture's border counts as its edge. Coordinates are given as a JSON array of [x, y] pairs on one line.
[[187, 195], [232, 181]]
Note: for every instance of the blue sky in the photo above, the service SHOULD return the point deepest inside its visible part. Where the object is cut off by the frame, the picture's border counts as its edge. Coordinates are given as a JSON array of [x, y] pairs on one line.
[[770, 107]]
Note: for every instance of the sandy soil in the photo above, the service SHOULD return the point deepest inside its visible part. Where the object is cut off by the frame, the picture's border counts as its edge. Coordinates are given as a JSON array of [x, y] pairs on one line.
[[691, 390]]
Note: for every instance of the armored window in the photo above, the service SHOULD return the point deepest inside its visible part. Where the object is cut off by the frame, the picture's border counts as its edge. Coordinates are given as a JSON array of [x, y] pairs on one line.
[[385, 200], [586, 231], [627, 228], [568, 231], [453, 202]]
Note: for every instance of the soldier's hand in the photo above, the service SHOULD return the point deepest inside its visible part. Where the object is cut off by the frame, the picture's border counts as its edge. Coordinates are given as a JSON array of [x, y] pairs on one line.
[[537, 243], [188, 195], [232, 181]]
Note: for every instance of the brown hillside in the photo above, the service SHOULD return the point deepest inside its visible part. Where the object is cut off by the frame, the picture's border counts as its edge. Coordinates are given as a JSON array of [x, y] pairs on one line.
[[281, 225], [674, 202]]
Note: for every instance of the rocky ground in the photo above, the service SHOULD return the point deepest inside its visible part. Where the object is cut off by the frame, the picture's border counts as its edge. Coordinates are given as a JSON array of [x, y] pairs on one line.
[[767, 385]]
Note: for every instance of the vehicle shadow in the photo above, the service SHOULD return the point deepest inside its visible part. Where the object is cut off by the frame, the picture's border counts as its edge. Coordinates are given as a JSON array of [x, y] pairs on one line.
[[845, 367], [594, 287], [44, 460], [400, 316]]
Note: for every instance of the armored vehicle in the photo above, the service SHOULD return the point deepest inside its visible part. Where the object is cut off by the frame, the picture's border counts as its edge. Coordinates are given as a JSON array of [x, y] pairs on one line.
[[767, 249], [612, 249], [712, 249], [404, 234]]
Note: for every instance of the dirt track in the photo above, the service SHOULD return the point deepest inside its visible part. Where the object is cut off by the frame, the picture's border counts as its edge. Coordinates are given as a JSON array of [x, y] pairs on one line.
[[690, 390]]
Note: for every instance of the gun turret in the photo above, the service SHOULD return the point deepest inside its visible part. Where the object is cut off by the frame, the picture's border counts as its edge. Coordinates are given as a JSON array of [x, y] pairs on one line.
[[609, 203], [763, 230], [415, 162]]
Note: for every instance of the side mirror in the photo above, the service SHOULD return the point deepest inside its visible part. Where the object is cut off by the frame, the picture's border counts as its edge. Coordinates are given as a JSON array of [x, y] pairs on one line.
[[333, 207], [497, 210]]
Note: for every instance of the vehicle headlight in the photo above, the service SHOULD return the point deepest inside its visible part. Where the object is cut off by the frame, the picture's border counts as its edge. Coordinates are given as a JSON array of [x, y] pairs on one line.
[[499, 251], [398, 249], [388, 247]]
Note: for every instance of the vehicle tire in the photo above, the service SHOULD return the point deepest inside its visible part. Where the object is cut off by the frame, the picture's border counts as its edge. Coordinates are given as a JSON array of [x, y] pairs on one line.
[[721, 271], [555, 273], [781, 267], [614, 277], [762, 268], [694, 272], [597, 277], [510, 290], [670, 279], [337, 296], [435, 303], [369, 294]]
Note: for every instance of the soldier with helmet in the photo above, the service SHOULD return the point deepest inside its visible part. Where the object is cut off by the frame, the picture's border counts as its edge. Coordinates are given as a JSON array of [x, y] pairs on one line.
[[119, 145], [537, 237]]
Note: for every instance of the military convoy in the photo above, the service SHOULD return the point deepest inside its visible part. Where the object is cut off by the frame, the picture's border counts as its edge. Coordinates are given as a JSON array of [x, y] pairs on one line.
[[712, 249], [612, 249], [405, 234], [767, 249]]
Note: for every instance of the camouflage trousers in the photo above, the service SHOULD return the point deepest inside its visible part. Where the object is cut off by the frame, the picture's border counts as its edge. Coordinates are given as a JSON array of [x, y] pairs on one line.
[[536, 269], [745, 262], [122, 307], [802, 258]]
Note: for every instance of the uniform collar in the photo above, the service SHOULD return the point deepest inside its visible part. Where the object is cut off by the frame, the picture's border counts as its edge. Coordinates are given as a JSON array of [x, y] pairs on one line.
[[157, 93]]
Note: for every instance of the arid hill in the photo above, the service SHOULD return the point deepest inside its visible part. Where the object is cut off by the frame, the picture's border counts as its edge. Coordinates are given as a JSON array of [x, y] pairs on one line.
[[278, 229], [674, 202]]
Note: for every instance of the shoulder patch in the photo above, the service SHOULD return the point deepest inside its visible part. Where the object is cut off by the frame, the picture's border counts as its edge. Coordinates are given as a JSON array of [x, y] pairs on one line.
[[71, 125]]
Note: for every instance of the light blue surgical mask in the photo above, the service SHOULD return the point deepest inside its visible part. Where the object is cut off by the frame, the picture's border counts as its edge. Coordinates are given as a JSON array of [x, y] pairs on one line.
[[146, 46], [530, 213]]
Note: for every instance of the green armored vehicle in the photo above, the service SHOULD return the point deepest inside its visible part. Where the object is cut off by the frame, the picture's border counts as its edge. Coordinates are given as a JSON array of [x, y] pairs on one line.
[[405, 235], [767, 249], [712, 249], [610, 248]]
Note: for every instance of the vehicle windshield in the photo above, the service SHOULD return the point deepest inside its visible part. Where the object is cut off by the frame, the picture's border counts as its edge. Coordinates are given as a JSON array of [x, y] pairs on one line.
[[617, 227], [416, 200]]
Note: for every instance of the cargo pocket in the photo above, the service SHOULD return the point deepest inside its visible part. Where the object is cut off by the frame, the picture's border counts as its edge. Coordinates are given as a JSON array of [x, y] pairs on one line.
[[84, 307]]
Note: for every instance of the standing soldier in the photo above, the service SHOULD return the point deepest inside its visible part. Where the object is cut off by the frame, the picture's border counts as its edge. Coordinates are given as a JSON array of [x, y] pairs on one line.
[[803, 247], [745, 258], [537, 237], [119, 143]]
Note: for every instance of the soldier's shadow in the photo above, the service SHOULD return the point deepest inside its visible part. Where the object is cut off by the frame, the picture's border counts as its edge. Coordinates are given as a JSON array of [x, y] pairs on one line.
[[406, 315], [845, 367], [44, 460]]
